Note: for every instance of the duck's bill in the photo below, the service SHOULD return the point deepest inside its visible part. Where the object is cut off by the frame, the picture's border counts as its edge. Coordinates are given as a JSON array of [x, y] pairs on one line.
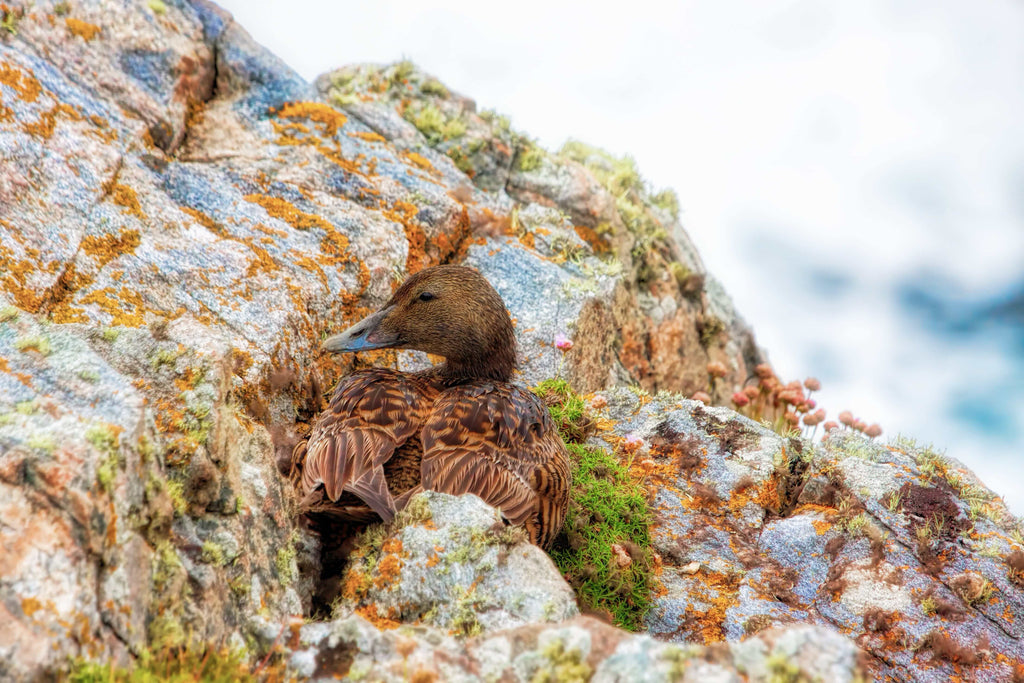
[[363, 336]]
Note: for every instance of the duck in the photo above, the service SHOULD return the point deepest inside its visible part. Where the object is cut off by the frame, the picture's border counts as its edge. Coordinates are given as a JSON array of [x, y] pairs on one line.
[[458, 427]]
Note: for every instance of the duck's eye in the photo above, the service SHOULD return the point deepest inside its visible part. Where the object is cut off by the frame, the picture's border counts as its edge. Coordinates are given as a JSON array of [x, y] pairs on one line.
[[426, 296]]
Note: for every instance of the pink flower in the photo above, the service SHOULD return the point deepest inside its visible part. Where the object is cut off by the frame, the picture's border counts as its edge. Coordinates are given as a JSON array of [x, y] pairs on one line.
[[873, 430], [830, 426], [717, 369], [812, 384], [633, 441], [740, 399], [701, 396], [562, 342]]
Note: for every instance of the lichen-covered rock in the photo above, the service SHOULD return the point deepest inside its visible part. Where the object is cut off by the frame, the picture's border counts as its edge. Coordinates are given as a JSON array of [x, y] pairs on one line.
[[452, 562], [898, 546], [582, 649], [183, 218]]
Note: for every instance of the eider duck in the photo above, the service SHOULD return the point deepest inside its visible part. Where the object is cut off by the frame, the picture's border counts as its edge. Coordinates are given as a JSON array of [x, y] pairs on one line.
[[458, 427]]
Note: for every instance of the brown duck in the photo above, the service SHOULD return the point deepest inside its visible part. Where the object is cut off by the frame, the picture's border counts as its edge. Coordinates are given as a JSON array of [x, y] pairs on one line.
[[458, 427]]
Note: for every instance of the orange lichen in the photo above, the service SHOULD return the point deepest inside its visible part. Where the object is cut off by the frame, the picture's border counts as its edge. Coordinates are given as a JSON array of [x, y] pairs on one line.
[[23, 82], [105, 248], [47, 122], [82, 28], [122, 195], [419, 161], [369, 612], [720, 592], [328, 117], [30, 606], [368, 136], [821, 526], [126, 306], [206, 221], [286, 211], [389, 569]]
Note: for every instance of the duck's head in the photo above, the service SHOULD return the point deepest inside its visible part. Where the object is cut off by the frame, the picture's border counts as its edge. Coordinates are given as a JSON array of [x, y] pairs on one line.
[[449, 311]]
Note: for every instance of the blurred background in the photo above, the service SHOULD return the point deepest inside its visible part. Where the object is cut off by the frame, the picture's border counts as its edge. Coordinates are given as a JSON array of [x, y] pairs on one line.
[[853, 174]]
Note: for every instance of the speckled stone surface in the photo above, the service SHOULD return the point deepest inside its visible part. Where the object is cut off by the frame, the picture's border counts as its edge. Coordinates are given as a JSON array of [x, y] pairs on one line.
[[183, 219]]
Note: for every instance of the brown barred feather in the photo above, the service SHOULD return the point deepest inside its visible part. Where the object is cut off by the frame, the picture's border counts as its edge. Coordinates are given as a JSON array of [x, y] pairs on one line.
[[459, 427]]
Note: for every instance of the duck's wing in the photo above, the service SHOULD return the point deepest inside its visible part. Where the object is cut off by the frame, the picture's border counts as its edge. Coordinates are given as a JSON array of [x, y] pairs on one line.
[[498, 442], [371, 414]]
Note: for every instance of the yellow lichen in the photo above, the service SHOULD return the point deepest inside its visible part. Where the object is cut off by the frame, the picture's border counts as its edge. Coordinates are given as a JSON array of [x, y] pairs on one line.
[[122, 195], [82, 28], [330, 118], [23, 82]]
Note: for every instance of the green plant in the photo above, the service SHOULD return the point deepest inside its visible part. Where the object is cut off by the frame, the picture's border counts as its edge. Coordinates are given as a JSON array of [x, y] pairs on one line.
[[8, 313], [607, 512], [206, 664], [567, 409], [37, 343]]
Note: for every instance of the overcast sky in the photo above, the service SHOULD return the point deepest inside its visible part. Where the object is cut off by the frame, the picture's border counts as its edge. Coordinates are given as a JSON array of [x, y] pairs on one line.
[[853, 173]]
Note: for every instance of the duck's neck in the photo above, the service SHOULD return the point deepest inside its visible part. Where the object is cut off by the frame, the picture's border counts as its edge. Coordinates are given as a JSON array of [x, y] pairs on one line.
[[459, 371]]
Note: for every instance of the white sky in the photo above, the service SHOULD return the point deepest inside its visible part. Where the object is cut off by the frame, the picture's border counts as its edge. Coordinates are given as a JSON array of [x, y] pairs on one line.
[[875, 141]]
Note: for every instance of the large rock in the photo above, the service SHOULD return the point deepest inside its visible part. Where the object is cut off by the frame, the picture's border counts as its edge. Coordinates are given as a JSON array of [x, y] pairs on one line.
[[451, 562], [183, 218], [896, 546], [582, 649]]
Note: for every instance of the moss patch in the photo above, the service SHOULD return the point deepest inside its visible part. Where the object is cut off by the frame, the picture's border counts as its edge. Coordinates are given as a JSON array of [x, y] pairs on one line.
[[567, 409], [175, 666], [605, 553]]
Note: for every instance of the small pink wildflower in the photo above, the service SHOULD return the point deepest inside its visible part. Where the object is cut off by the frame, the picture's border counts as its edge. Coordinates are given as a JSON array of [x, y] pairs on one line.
[[701, 396], [562, 343], [740, 399]]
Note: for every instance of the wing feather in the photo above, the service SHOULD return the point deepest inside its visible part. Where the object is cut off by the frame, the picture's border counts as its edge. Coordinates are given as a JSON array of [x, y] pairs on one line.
[[498, 442], [371, 415]]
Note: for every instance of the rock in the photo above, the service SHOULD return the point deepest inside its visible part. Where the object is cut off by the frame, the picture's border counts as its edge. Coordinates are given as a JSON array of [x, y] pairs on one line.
[[451, 562], [900, 547], [183, 218], [581, 649]]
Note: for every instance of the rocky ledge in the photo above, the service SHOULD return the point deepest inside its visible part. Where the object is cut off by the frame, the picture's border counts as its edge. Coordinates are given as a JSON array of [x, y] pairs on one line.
[[183, 218]]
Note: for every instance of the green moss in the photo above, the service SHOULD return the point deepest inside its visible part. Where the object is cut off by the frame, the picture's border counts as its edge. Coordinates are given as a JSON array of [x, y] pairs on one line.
[[214, 554], [172, 665], [530, 158], [667, 200], [285, 561], [157, 6], [89, 375], [176, 491], [782, 669], [432, 86], [42, 442], [6, 419], [62, 9], [8, 313], [606, 508], [110, 334], [711, 328], [464, 612], [434, 125], [162, 357], [102, 436], [25, 407], [567, 408], [562, 665], [9, 22], [37, 343]]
